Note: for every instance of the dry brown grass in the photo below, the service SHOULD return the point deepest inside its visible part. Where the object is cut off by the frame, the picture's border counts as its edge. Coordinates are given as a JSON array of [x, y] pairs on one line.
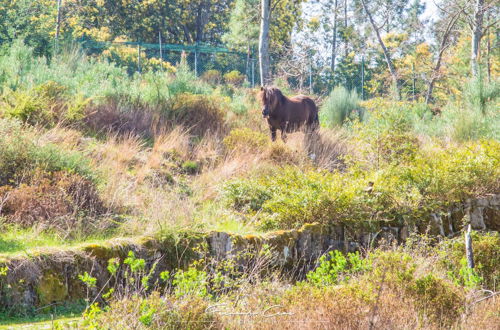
[[55, 201]]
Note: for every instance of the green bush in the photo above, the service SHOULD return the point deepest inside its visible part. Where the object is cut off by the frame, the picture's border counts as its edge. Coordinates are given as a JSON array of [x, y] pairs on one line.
[[47, 104], [234, 78], [190, 167], [155, 311], [486, 247], [432, 179], [340, 106], [336, 267], [212, 77], [21, 156], [199, 113], [245, 139]]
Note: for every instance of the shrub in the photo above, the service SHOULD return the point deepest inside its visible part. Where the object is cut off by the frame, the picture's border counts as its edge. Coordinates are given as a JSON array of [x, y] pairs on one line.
[[486, 247], [234, 78], [191, 167], [185, 81], [156, 312], [340, 106], [245, 140], [280, 153], [54, 201], [198, 113], [431, 180], [20, 156], [336, 267], [191, 282], [212, 77], [47, 104]]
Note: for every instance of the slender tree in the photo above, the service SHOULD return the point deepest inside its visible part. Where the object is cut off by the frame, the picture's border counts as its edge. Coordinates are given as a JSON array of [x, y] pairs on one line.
[[442, 47], [477, 33], [387, 55], [334, 37], [264, 61]]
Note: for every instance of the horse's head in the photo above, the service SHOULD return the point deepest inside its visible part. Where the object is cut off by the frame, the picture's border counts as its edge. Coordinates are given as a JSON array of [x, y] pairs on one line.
[[271, 98]]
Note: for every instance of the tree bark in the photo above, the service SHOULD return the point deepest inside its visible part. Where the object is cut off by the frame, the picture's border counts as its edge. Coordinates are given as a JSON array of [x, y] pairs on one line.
[[442, 47], [58, 22], [477, 27], [334, 38], [346, 42], [387, 56], [264, 62], [488, 63]]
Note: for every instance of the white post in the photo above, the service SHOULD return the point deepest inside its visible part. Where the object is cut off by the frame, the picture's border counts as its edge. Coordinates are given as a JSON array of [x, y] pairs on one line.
[[468, 248]]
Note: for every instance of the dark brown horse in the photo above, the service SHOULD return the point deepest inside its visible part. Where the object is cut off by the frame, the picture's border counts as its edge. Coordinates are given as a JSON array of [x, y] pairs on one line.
[[288, 114]]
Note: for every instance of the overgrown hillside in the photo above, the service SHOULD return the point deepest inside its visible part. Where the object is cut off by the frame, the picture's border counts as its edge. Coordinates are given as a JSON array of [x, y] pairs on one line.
[[89, 153]]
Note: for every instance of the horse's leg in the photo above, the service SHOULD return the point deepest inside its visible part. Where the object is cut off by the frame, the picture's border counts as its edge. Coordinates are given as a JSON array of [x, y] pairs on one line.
[[273, 132], [284, 127]]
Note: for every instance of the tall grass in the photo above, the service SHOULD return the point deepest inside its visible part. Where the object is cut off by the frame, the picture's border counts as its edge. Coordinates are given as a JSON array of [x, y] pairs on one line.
[[93, 77], [340, 106]]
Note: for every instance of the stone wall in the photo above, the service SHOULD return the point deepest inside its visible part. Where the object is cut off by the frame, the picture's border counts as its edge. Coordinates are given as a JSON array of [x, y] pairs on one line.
[[49, 277]]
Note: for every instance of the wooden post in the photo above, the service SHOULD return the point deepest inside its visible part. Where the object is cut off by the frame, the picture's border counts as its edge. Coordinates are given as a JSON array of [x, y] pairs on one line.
[[468, 248]]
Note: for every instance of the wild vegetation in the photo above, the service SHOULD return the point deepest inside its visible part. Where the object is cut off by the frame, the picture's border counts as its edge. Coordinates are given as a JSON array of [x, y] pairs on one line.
[[101, 146]]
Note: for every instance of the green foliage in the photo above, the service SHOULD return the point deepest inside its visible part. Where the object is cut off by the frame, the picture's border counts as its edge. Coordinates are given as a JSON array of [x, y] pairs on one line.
[[199, 113], [89, 281], [135, 264], [190, 282], [191, 167], [185, 81], [340, 106], [20, 155], [486, 247], [431, 179], [482, 96], [90, 315], [336, 267], [213, 77], [245, 139], [234, 78]]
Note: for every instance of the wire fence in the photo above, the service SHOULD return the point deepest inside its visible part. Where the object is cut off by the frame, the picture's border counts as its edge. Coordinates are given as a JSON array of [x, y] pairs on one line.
[[200, 57], [204, 60]]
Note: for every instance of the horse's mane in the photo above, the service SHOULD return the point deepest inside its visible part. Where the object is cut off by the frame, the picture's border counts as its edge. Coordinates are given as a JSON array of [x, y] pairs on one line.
[[268, 93]]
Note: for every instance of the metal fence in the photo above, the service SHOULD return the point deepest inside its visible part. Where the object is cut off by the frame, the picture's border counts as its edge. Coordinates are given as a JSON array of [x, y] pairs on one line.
[[200, 57], [315, 79]]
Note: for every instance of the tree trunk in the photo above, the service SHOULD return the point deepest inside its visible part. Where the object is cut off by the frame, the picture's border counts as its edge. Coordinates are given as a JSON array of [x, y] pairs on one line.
[[334, 38], [442, 47], [488, 63], [265, 77], [346, 42], [58, 22], [477, 28], [387, 56]]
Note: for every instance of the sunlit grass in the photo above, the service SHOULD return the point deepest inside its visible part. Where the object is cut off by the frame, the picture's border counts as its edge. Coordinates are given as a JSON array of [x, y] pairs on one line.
[[16, 240]]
